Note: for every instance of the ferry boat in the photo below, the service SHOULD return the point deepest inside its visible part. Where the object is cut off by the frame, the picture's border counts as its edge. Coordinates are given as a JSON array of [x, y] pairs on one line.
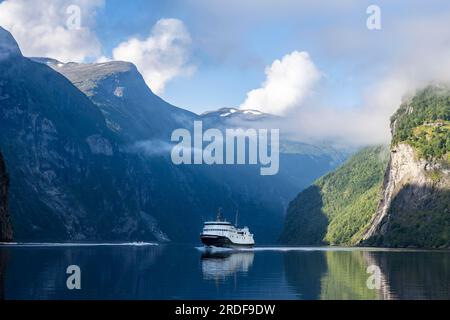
[[221, 233]]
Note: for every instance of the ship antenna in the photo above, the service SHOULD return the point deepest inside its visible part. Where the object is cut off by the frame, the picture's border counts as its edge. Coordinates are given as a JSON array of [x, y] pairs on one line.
[[237, 215], [219, 215]]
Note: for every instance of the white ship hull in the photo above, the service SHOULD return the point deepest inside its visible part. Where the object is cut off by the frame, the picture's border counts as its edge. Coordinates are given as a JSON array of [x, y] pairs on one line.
[[221, 241], [224, 234]]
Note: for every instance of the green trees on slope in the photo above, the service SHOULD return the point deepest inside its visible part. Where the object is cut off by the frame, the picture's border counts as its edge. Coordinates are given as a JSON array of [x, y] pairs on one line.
[[338, 207], [424, 123]]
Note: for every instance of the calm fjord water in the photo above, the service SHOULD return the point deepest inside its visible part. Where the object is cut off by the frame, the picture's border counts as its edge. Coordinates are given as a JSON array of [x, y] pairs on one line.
[[146, 271]]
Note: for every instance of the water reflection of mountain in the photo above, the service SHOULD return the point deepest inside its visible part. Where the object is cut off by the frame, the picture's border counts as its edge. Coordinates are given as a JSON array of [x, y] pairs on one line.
[[346, 277], [416, 275], [182, 272], [328, 275], [341, 275], [304, 271], [223, 264], [106, 271]]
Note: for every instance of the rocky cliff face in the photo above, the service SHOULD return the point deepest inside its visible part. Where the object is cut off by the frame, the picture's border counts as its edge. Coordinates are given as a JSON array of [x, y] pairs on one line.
[[5, 225], [414, 210], [69, 180], [412, 191]]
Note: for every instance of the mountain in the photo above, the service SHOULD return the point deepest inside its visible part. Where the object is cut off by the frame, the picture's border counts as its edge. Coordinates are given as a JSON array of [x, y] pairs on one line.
[[5, 223], [68, 179], [299, 161], [145, 122], [127, 103], [338, 207], [88, 154], [415, 206], [9, 47], [394, 198]]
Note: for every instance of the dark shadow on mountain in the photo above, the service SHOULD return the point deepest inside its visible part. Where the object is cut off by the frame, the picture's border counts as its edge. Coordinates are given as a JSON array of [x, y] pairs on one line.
[[304, 271], [418, 217], [306, 223], [5, 223], [3, 263]]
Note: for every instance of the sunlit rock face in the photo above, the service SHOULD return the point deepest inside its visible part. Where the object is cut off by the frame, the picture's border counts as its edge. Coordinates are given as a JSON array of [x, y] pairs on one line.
[[414, 190], [414, 209]]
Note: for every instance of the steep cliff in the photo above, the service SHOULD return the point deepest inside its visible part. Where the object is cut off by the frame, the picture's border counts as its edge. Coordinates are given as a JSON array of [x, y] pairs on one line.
[[69, 180], [397, 198], [5, 224], [415, 207]]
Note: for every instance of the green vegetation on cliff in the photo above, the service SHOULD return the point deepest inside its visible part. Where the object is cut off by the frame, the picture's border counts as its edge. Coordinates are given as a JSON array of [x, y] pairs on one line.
[[424, 123], [418, 214], [338, 207]]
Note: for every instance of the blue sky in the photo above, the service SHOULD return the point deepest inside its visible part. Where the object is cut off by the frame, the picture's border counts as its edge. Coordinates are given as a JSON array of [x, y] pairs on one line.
[[223, 78], [316, 59], [231, 49]]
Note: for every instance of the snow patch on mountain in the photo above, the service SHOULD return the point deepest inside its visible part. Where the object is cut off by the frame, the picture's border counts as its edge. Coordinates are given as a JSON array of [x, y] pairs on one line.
[[228, 112], [86, 76]]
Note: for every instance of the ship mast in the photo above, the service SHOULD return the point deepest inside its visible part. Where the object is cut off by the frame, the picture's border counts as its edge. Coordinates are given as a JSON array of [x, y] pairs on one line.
[[219, 215], [237, 214]]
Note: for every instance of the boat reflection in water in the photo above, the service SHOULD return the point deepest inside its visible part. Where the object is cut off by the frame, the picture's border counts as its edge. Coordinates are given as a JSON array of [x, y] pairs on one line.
[[219, 264]]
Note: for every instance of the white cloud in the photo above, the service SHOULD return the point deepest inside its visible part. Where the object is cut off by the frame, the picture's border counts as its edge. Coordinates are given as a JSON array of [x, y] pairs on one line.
[[103, 59], [45, 28], [423, 58], [161, 57], [288, 82]]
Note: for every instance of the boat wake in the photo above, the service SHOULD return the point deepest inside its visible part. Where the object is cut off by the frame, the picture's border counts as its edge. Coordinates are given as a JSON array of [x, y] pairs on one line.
[[213, 249], [286, 249], [76, 244]]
